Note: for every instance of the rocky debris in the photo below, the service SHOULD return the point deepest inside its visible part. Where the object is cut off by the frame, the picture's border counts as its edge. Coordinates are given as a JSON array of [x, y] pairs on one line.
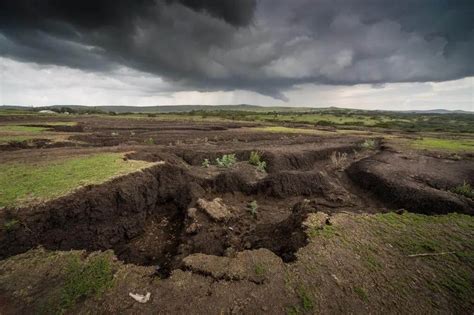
[[216, 209], [256, 266], [316, 220]]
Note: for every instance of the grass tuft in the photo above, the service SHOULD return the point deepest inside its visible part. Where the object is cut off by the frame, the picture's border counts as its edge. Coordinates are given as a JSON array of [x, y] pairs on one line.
[[85, 279], [361, 293], [464, 190], [227, 160]]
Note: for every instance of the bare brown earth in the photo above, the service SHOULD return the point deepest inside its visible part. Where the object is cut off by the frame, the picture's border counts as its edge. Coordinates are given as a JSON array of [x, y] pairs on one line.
[[185, 233]]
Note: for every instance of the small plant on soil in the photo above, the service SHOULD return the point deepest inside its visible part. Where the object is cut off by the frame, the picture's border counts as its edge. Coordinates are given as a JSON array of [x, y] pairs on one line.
[[206, 163], [260, 269], [262, 166], [11, 225], [305, 300], [361, 293], [368, 144], [338, 159], [227, 160], [465, 190], [255, 159], [150, 141], [85, 279], [253, 207]]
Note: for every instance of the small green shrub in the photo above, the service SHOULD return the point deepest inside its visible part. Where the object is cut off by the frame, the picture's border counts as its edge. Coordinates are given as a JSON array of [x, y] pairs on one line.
[[465, 190], [150, 141], [262, 166], [11, 225], [85, 279], [368, 144], [253, 207], [256, 159], [227, 160], [206, 163]]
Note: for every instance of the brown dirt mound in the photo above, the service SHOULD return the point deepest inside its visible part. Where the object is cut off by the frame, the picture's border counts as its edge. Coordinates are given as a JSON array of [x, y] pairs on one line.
[[417, 184]]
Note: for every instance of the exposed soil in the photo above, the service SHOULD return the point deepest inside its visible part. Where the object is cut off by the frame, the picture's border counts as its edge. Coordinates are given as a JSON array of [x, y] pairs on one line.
[[179, 217]]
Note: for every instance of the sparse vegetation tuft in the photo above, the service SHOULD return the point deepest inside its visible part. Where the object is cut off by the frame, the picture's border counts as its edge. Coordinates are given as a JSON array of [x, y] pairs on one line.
[[256, 159], [464, 190], [361, 293], [338, 159], [206, 163], [11, 225], [368, 144], [260, 269], [253, 208], [150, 141], [227, 160], [85, 279]]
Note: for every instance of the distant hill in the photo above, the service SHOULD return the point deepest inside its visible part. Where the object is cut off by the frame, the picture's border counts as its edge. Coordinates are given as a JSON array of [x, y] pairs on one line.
[[242, 107]]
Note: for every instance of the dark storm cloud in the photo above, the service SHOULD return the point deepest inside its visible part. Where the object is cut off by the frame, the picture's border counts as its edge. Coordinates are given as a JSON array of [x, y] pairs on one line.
[[268, 47]]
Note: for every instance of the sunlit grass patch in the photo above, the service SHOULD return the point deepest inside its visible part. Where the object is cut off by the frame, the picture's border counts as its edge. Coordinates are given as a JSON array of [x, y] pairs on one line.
[[19, 128], [85, 279], [280, 129], [455, 145], [24, 183], [7, 139]]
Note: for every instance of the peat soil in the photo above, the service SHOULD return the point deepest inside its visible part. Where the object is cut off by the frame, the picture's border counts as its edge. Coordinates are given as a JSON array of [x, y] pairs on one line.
[[164, 214]]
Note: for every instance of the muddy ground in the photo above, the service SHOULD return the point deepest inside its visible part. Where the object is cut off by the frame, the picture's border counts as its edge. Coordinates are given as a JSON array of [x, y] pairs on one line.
[[188, 234]]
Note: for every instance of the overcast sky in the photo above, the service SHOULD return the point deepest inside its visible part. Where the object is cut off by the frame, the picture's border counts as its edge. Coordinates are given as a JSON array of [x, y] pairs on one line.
[[406, 54]]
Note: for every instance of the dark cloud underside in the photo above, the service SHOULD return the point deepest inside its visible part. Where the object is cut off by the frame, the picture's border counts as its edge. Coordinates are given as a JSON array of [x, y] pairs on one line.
[[266, 46]]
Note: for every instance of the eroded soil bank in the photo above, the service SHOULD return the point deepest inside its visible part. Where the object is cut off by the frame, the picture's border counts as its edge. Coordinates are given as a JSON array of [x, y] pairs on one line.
[[233, 228]]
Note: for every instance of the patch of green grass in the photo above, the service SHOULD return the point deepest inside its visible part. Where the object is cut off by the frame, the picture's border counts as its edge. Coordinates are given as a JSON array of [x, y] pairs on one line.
[[361, 293], [306, 300], [85, 279], [59, 123], [21, 183], [260, 270], [6, 139], [327, 232], [280, 129], [416, 233], [465, 190], [454, 145], [459, 284], [18, 128]]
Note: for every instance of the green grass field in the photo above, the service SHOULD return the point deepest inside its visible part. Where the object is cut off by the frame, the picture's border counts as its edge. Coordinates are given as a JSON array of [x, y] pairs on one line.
[[453, 145], [19, 128], [22, 183]]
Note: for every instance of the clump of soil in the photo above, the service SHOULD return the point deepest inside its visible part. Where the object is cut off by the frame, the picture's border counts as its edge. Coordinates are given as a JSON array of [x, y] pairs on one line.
[[416, 183]]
